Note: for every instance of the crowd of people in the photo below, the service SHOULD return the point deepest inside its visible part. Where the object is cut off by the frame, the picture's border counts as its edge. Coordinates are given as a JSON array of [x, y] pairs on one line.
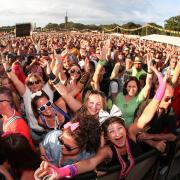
[[71, 103]]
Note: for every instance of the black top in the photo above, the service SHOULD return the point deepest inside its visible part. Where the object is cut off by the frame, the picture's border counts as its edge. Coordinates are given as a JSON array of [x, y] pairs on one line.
[[135, 150]]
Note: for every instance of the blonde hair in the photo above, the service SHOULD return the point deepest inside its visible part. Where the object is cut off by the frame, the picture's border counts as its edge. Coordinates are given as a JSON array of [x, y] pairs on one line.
[[37, 76]]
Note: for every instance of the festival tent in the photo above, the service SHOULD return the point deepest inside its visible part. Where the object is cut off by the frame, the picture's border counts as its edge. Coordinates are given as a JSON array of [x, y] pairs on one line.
[[163, 39]]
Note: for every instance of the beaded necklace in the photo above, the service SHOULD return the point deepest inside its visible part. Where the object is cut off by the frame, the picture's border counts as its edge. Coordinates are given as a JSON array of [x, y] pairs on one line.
[[125, 170]]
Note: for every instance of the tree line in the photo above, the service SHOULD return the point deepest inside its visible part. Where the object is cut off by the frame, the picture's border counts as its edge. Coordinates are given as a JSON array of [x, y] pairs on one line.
[[173, 23]]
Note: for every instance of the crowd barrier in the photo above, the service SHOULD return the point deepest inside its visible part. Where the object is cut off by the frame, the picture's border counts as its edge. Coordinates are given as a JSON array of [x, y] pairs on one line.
[[147, 168]]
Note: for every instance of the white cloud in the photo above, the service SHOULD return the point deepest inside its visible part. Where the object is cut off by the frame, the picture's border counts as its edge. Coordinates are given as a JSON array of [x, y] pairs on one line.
[[83, 11]]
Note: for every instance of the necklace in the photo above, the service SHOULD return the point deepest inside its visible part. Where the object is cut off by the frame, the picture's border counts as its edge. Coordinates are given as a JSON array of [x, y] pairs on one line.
[[124, 169]]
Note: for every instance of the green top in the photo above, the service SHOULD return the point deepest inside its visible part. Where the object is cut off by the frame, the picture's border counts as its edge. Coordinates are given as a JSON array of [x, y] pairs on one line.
[[137, 73], [128, 108]]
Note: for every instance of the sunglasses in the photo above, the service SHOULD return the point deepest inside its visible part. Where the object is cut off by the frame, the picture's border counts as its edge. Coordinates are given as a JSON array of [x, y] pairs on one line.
[[30, 83], [75, 71], [69, 148], [168, 98], [43, 107]]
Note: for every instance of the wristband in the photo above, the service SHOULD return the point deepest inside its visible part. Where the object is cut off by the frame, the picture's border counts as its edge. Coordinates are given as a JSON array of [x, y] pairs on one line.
[[102, 62], [51, 76], [149, 72], [68, 171], [57, 81]]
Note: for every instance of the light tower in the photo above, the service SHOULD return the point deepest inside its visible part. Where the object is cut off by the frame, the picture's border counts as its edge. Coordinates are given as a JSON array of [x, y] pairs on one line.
[[66, 21]]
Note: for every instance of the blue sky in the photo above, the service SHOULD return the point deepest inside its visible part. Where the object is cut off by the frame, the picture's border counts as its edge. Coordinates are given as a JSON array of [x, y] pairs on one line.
[[87, 11]]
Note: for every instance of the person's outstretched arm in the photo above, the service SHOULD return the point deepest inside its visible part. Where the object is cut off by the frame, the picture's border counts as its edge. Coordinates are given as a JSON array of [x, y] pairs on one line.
[[150, 109], [80, 167], [21, 88]]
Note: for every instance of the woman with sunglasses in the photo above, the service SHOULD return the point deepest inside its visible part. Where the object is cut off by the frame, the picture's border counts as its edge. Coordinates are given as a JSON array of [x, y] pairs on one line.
[[33, 83], [93, 101], [49, 115], [121, 145], [79, 139], [71, 78]]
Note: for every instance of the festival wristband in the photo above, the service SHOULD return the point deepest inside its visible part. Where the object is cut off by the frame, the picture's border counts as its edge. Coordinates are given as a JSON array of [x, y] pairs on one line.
[[102, 62], [68, 171]]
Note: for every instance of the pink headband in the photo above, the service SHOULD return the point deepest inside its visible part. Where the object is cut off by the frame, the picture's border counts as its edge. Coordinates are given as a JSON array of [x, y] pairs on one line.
[[72, 126]]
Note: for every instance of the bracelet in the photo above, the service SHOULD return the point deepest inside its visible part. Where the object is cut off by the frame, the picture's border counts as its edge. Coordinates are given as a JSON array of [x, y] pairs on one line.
[[73, 170], [149, 72], [102, 62], [51, 76], [57, 81]]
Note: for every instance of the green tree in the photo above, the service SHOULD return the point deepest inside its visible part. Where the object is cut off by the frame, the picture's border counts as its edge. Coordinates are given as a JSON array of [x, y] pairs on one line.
[[173, 23]]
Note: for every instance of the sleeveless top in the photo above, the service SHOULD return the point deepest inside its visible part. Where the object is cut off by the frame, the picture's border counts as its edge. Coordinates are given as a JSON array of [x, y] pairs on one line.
[[57, 125]]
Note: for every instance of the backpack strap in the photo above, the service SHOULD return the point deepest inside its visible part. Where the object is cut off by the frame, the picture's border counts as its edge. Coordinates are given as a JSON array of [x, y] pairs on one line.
[[58, 109], [5, 125]]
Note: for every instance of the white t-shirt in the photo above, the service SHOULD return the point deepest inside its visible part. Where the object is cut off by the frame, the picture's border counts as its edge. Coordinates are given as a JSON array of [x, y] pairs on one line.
[[27, 103], [113, 87]]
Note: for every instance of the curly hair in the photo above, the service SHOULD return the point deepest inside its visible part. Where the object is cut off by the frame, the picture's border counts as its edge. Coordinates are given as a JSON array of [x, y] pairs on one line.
[[87, 135]]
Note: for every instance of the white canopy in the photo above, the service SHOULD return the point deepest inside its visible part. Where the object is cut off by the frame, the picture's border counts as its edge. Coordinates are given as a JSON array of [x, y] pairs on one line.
[[163, 39]]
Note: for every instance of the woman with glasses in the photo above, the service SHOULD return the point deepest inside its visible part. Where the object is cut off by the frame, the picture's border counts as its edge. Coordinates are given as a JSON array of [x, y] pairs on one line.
[[71, 78], [79, 139], [11, 119], [121, 147], [49, 115], [33, 83]]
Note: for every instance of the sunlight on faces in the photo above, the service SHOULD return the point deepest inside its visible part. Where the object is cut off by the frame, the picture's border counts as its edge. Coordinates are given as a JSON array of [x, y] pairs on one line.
[[67, 62], [36, 86], [116, 133], [75, 72], [48, 109], [94, 104], [132, 88]]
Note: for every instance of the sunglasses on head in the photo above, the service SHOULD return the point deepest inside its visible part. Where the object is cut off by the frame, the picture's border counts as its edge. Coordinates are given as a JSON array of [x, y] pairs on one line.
[[66, 145], [75, 71], [43, 107], [30, 83], [168, 98]]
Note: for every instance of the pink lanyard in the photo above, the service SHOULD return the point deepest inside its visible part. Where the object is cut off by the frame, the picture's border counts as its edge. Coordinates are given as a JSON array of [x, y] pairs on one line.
[[124, 170]]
